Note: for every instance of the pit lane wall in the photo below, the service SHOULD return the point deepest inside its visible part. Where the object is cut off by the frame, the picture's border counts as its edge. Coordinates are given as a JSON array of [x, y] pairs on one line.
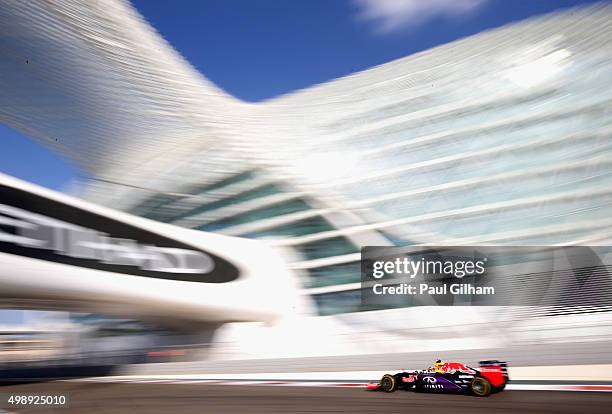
[[58, 252]]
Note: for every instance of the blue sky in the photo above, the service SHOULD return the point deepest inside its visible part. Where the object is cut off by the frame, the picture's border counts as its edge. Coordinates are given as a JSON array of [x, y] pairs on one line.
[[257, 49]]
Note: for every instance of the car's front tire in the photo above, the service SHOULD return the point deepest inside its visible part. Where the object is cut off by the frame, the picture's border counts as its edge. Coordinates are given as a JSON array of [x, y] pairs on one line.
[[387, 383], [480, 387]]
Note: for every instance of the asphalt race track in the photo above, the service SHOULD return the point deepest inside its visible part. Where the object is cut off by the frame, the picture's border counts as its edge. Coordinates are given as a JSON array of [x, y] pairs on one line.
[[203, 398]]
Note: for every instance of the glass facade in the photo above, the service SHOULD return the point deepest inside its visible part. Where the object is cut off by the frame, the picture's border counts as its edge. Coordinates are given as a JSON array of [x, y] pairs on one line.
[[294, 229], [339, 274], [501, 138], [275, 210]]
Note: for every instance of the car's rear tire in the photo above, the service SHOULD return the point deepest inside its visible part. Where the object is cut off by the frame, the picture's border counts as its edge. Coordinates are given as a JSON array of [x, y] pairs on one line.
[[387, 383], [480, 387]]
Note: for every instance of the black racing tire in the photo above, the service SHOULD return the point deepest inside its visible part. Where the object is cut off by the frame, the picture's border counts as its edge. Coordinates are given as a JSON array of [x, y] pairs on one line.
[[388, 383], [480, 387]]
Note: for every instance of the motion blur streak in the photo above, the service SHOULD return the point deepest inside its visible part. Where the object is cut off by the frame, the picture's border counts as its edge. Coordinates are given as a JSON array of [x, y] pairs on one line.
[[502, 138], [154, 399]]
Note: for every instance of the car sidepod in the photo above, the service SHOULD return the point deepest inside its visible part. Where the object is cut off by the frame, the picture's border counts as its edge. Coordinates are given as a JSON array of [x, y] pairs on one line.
[[436, 382]]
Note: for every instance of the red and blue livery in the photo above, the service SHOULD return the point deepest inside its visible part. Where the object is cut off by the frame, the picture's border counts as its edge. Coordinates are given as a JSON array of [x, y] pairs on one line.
[[449, 377]]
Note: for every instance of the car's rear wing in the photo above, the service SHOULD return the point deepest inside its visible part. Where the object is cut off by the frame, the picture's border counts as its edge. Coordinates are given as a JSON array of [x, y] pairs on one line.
[[495, 369]]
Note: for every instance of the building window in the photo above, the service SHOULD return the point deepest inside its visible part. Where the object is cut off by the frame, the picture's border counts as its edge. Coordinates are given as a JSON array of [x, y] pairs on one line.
[[262, 191], [334, 275], [338, 302], [149, 208], [287, 207], [326, 248], [294, 229]]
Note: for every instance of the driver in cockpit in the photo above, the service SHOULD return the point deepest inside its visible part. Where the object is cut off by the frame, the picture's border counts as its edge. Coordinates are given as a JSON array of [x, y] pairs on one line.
[[438, 366]]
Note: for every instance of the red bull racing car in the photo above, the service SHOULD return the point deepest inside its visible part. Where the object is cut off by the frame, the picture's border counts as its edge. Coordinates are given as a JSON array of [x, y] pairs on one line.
[[452, 377]]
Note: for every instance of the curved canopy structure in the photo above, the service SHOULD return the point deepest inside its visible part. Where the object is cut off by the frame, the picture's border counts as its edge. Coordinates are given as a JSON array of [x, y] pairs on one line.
[[97, 83]]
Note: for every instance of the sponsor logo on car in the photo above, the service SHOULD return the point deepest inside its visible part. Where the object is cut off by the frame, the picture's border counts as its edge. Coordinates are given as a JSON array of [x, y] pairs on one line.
[[410, 378], [431, 383], [453, 367]]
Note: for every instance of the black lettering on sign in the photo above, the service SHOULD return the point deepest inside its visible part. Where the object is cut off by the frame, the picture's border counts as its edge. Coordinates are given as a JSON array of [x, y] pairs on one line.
[[37, 227]]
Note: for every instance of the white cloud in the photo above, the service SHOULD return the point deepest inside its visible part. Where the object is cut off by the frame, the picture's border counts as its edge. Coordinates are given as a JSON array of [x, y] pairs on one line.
[[391, 15]]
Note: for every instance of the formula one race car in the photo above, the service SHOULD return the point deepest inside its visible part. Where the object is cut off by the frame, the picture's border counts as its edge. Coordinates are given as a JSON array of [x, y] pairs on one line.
[[492, 376]]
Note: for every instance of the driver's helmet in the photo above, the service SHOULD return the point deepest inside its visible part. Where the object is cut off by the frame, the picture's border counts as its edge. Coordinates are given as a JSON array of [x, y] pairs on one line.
[[438, 365]]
